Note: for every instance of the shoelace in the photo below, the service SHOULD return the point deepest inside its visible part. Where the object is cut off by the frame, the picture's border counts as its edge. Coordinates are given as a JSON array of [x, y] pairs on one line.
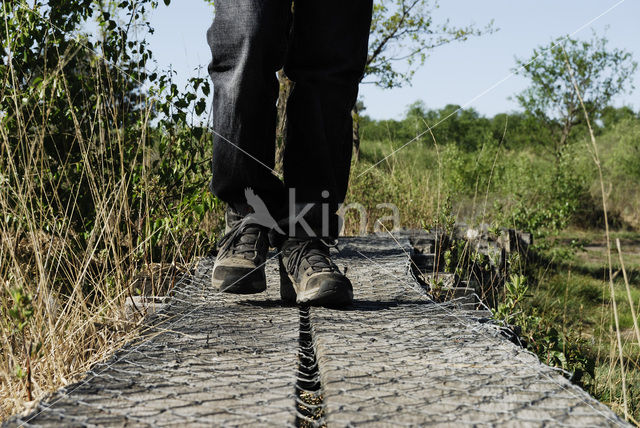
[[242, 239], [311, 251]]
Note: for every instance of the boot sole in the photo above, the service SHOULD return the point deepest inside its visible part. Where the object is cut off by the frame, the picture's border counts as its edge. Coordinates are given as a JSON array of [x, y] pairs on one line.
[[252, 282], [287, 292], [329, 296], [335, 296]]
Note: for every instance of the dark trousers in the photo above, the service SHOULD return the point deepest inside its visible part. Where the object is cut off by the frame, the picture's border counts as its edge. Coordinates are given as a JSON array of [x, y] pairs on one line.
[[323, 48]]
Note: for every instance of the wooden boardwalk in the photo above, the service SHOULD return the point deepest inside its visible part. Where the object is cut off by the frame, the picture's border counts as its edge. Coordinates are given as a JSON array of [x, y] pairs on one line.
[[395, 358]]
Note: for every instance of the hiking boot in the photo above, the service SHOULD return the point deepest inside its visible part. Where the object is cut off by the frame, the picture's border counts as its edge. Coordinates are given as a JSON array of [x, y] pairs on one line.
[[242, 251], [308, 276]]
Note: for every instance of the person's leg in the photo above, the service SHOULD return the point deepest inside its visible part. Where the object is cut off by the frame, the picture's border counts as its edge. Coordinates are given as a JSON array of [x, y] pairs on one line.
[[248, 41], [326, 61]]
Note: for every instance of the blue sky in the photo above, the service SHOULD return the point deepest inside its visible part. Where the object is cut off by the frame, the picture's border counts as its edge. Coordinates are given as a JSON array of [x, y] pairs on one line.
[[475, 73]]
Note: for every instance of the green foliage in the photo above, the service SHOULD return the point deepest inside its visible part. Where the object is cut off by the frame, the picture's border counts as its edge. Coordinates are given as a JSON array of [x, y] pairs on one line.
[[20, 316], [545, 198], [443, 218], [85, 87], [620, 151], [21, 311], [477, 156], [552, 346], [511, 174], [515, 289], [50, 60], [625, 154], [402, 32], [500, 159], [103, 178], [600, 73], [612, 116], [464, 171], [465, 128]]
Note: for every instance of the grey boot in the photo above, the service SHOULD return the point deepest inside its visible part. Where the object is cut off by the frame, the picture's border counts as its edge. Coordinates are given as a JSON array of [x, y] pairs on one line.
[[239, 266], [308, 276]]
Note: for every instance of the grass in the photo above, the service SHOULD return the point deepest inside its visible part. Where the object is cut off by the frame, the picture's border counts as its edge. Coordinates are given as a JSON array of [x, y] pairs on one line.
[[63, 292], [590, 251], [86, 219], [392, 181], [575, 299], [569, 301], [102, 199]]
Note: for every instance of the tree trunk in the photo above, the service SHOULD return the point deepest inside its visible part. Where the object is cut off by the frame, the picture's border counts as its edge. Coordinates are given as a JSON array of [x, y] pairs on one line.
[[286, 86], [566, 131], [564, 137], [356, 132]]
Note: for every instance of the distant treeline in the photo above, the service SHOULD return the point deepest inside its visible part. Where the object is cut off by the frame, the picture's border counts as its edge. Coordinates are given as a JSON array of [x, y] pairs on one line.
[[469, 130]]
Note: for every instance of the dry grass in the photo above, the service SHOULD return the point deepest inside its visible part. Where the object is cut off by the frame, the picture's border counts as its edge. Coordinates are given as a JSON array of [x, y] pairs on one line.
[[596, 160], [63, 282]]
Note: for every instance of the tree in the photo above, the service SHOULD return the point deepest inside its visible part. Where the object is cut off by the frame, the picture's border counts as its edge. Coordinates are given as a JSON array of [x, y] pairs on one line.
[[60, 89], [600, 72], [611, 116], [48, 58], [402, 34]]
